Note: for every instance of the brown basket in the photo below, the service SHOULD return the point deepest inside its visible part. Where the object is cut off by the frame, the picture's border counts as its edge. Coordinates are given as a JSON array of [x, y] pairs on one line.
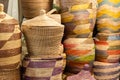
[[10, 41], [31, 8], [10, 75]]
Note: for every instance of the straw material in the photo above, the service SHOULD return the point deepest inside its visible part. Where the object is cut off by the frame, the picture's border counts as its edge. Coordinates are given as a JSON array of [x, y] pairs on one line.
[[41, 36], [43, 67], [10, 42], [108, 16], [78, 18], [108, 47], [106, 71], [80, 51], [10, 75], [31, 8]]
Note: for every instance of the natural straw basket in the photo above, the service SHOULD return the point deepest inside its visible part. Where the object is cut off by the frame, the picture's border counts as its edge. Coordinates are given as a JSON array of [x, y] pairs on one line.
[[43, 35], [10, 41], [31, 8]]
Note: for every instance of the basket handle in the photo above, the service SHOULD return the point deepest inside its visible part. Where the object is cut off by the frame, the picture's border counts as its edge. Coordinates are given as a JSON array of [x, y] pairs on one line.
[[52, 11]]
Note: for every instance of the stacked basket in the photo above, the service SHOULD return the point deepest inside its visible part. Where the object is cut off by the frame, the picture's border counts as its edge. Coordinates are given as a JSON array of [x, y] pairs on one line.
[[46, 60], [79, 17], [10, 47], [107, 40]]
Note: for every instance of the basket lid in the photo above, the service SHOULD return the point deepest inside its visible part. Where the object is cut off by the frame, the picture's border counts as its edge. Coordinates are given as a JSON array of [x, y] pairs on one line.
[[5, 18], [42, 20]]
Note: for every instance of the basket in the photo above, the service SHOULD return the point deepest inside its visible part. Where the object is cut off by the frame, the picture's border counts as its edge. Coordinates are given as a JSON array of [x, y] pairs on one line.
[[10, 41], [108, 47], [78, 17], [108, 16], [43, 67], [106, 71], [31, 8]]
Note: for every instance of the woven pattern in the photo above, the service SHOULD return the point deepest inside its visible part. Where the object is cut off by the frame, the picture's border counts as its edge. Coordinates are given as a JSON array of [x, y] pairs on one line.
[[10, 42], [31, 8], [106, 71], [40, 68], [10, 75], [79, 52], [108, 16], [108, 47], [78, 18]]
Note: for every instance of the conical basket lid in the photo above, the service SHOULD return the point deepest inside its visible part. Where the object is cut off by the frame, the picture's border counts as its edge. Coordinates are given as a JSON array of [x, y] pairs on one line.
[[42, 20]]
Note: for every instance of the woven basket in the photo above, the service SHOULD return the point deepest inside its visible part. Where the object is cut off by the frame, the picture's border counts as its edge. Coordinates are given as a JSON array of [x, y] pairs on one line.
[[43, 67], [31, 8], [41, 36], [108, 47], [108, 16], [10, 41], [106, 71], [79, 52], [78, 17], [10, 75]]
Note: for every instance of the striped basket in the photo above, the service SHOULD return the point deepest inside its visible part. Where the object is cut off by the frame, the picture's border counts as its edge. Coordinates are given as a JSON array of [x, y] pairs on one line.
[[78, 18], [108, 47], [108, 16], [10, 74], [106, 71], [41, 36], [79, 52], [44, 67], [10, 41]]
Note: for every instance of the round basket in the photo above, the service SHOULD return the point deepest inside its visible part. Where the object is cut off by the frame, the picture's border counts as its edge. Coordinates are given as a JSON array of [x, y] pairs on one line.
[[31, 8]]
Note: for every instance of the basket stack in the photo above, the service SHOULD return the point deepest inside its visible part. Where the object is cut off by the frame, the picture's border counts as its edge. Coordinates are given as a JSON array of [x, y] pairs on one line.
[[107, 40], [45, 59], [79, 17], [10, 47]]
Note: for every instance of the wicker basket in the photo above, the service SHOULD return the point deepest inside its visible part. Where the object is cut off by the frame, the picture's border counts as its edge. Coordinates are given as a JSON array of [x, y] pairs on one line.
[[106, 71], [43, 67], [31, 8], [108, 47], [10, 41], [78, 17], [41, 36], [10, 74], [108, 16], [80, 51]]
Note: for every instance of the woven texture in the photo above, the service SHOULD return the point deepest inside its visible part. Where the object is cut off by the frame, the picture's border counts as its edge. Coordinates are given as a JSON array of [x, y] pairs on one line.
[[46, 67], [106, 71], [41, 36], [108, 47], [31, 8], [79, 52], [78, 18], [108, 16], [10, 42], [10, 75]]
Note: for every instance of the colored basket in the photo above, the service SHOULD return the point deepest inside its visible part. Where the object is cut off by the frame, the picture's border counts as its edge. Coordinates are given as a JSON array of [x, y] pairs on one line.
[[79, 52], [43, 67], [108, 47], [106, 71], [78, 18], [108, 16], [31, 8], [10, 41], [10, 74]]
